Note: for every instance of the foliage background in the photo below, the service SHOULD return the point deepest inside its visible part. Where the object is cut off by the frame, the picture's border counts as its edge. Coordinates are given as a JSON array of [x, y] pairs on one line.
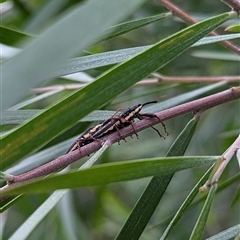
[[99, 212]]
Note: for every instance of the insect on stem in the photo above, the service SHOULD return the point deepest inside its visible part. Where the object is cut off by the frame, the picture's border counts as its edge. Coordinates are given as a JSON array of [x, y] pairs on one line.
[[144, 104], [114, 124]]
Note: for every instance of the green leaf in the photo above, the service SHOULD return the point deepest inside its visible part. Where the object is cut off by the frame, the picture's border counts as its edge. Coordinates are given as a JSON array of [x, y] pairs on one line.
[[227, 56], [18, 116], [222, 186], [113, 57], [10, 36], [202, 219], [44, 15], [8, 202], [185, 205], [44, 55], [39, 159], [214, 39], [109, 173], [65, 113], [227, 234], [30, 224], [184, 97], [98, 60], [235, 198], [233, 28], [21, 116], [129, 26], [147, 203]]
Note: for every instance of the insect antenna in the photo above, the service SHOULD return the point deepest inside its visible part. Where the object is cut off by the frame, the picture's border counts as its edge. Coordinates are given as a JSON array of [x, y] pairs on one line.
[[144, 104], [151, 115]]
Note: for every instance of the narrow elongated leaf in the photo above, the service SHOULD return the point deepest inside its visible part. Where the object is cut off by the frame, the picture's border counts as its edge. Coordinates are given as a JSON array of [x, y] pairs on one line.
[[221, 187], [20, 116], [33, 65], [227, 234], [184, 97], [10, 36], [65, 113], [227, 56], [185, 205], [233, 28], [30, 224], [109, 173], [44, 15], [214, 39], [33, 100], [236, 197], [40, 159], [113, 57], [202, 219], [17, 116], [98, 60], [8, 202], [129, 26], [147, 203]]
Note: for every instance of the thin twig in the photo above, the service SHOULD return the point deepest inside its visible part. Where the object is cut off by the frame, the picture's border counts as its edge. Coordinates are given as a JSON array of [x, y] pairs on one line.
[[147, 82], [185, 17], [201, 79], [226, 158], [234, 4], [193, 106]]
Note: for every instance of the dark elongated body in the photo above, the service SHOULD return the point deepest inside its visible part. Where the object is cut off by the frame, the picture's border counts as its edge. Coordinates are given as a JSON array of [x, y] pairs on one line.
[[115, 123], [120, 121], [84, 139]]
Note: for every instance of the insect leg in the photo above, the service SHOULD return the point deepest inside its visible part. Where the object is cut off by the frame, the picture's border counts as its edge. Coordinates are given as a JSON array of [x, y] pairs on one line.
[[120, 134], [131, 123], [151, 115]]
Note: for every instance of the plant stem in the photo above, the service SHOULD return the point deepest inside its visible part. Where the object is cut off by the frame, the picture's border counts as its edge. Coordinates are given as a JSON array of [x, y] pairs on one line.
[[147, 82], [234, 4], [226, 158], [185, 17], [195, 106], [200, 79]]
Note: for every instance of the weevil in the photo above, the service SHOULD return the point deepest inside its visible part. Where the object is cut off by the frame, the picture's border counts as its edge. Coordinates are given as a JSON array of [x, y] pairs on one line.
[[87, 136], [125, 119], [115, 123], [84, 139]]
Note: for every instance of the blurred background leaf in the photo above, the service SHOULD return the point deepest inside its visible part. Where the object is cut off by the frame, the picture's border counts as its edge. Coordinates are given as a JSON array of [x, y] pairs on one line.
[[100, 212], [47, 57]]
